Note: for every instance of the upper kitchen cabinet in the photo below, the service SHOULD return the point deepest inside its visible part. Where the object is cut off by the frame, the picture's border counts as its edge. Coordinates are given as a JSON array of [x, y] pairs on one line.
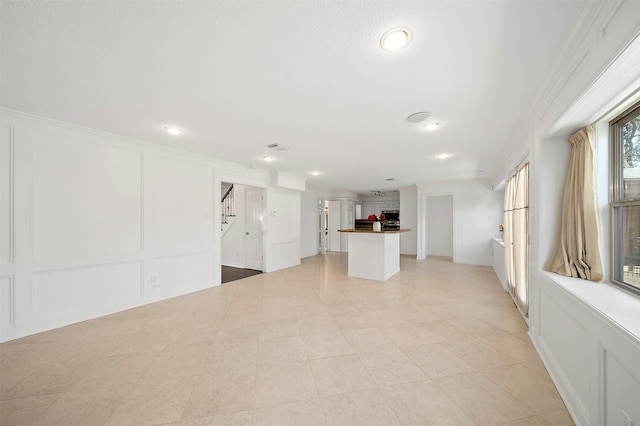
[[376, 207]]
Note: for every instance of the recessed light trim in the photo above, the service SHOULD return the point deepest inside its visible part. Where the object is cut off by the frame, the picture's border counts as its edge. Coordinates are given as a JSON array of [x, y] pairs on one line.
[[443, 156], [395, 39], [431, 126], [266, 158], [315, 173], [172, 130]]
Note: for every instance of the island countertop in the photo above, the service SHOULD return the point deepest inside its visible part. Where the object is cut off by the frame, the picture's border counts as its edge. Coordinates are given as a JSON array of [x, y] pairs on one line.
[[371, 231]]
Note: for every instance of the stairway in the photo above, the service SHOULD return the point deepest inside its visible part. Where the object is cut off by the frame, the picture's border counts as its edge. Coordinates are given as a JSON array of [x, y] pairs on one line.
[[228, 210]]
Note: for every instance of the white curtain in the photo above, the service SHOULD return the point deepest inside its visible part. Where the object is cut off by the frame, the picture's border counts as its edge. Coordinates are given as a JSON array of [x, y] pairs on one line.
[[516, 236], [507, 234], [579, 252]]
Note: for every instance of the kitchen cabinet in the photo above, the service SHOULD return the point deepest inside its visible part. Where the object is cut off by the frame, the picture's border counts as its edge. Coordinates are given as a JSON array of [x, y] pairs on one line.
[[376, 207]]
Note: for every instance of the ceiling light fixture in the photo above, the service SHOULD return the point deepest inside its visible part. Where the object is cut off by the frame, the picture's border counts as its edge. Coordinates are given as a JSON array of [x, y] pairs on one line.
[[442, 156], [266, 158], [431, 126], [395, 39], [315, 173], [172, 130], [418, 117]]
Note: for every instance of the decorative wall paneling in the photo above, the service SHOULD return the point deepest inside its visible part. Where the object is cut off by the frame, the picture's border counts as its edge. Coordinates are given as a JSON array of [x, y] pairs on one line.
[[592, 359], [282, 224], [94, 223], [7, 266], [498, 262]]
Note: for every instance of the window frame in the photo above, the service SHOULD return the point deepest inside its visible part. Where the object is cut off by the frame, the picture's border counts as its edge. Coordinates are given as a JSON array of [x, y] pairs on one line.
[[617, 200]]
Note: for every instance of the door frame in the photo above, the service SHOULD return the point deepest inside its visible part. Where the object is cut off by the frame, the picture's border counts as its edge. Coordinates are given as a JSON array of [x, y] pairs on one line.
[[333, 237], [431, 196], [262, 227], [219, 176], [423, 223]]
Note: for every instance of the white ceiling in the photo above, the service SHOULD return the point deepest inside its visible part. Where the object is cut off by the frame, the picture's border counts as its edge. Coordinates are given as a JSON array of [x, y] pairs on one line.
[[310, 75]]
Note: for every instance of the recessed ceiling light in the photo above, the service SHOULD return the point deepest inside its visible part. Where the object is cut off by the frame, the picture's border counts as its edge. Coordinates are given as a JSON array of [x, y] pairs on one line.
[[315, 173], [431, 126], [442, 156], [266, 158], [172, 130], [395, 39]]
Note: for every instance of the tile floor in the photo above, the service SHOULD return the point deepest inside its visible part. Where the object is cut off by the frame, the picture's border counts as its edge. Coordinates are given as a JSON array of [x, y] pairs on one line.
[[437, 344]]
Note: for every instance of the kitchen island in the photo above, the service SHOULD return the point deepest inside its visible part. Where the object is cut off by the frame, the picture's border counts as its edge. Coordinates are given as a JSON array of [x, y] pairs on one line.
[[374, 255]]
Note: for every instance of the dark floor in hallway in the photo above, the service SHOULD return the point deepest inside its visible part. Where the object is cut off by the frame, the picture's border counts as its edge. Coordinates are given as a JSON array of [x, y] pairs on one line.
[[230, 273]]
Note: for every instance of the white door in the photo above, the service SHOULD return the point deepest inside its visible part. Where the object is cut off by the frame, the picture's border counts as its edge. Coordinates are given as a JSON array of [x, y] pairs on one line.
[[440, 225], [334, 225], [322, 226], [253, 228]]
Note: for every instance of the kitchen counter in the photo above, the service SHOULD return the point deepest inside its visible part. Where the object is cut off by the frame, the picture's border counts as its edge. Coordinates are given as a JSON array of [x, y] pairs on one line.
[[373, 255]]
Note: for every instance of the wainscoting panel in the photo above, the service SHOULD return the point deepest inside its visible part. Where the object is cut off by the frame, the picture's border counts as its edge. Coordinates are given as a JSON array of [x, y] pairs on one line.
[[621, 392], [182, 203], [283, 252], [87, 198], [282, 248], [563, 337], [65, 296], [592, 360], [7, 303], [6, 195], [176, 275]]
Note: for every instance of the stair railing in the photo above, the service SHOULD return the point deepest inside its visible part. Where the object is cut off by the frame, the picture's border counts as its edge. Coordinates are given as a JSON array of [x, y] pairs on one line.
[[227, 204]]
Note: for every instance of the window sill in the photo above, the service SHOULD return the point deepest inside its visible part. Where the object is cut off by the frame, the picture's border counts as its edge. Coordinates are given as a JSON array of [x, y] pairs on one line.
[[617, 305]]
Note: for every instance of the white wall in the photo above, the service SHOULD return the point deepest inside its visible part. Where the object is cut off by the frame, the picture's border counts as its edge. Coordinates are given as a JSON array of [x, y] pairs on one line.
[[347, 221], [477, 214], [587, 334], [409, 219], [282, 225], [94, 223], [499, 262], [440, 225]]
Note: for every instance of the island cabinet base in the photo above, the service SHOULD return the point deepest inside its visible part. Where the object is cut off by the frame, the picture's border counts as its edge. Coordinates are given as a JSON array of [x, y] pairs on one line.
[[374, 256]]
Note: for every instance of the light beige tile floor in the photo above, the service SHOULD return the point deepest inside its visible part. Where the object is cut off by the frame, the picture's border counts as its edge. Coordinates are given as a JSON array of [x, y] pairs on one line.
[[437, 344]]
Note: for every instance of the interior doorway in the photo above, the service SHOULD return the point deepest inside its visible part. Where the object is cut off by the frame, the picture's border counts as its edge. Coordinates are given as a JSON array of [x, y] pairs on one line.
[[334, 225], [253, 228], [323, 226], [242, 231], [440, 230]]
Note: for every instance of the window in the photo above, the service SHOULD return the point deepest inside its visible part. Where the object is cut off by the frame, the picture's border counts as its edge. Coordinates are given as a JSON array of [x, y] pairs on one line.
[[625, 199]]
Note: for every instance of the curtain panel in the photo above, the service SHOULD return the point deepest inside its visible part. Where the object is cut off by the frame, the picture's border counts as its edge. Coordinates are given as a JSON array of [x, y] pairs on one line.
[[507, 234], [516, 237], [579, 251]]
